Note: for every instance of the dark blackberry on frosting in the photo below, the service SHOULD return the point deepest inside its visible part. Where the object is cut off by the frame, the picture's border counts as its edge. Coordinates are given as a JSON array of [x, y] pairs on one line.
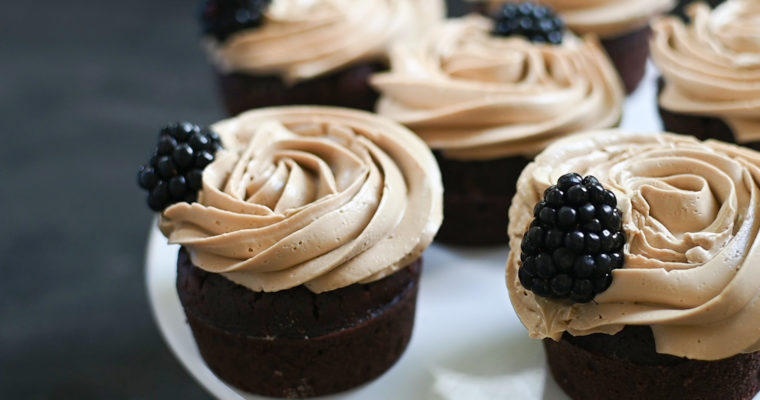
[[574, 242], [535, 22], [222, 18], [175, 169]]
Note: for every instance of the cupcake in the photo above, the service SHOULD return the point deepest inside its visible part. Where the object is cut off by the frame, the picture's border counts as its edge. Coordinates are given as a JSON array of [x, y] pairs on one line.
[[622, 25], [634, 259], [710, 68], [283, 52], [487, 103], [300, 254]]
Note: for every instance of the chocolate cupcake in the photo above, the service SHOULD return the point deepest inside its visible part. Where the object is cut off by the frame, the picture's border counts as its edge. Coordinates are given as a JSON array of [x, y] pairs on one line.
[[710, 68], [635, 259], [622, 26], [300, 257], [487, 103], [306, 52]]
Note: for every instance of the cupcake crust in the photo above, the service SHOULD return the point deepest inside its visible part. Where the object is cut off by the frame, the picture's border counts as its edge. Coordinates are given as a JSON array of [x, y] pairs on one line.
[[625, 366], [294, 343]]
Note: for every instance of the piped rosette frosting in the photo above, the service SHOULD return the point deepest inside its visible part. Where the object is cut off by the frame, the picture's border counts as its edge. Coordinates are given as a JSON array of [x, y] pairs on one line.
[[712, 66], [324, 197], [692, 260], [474, 95], [302, 39], [605, 18]]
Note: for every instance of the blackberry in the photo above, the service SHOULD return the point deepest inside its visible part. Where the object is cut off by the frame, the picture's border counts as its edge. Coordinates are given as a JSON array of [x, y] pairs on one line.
[[175, 169], [535, 22], [574, 242], [222, 18]]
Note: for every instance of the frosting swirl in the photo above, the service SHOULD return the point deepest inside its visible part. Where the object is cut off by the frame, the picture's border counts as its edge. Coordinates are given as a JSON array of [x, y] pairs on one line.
[[301, 39], [605, 18], [712, 66], [320, 196], [478, 96], [690, 212]]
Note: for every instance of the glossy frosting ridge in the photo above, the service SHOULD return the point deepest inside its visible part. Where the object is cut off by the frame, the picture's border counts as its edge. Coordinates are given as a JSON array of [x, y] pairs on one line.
[[692, 260], [712, 66], [302, 39], [605, 18], [319, 196], [478, 96]]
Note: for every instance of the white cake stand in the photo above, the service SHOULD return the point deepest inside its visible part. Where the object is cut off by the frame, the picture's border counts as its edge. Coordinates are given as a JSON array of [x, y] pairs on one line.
[[467, 342]]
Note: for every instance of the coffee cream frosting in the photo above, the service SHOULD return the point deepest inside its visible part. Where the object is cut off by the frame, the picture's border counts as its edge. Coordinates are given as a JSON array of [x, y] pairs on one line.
[[692, 259], [474, 95], [301, 39], [319, 196], [712, 66], [605, 18]]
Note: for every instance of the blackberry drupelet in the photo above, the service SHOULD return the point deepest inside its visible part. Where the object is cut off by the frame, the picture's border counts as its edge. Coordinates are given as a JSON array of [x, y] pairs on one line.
[[574, 242], [535, 22], [175, 169], [222, 18]]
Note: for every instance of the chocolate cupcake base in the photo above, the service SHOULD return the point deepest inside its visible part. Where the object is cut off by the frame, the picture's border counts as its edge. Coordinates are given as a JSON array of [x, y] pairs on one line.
[[476, 198], [701, 127], [626, 366], [295, 343], [629, 53], [345, 88]]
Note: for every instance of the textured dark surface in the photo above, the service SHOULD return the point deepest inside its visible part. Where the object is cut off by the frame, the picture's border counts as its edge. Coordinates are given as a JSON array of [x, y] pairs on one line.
[[476, 199], [625, 366], [84, 87], [297, 343]]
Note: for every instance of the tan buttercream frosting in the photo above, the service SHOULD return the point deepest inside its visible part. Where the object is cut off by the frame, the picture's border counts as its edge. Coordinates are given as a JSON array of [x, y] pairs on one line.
[[320, 196], [301, 39], [712, 66], [479, 96], [692, 258], [605, 18]]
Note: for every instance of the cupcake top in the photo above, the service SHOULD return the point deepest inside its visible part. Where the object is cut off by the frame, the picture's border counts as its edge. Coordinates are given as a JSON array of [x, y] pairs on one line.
[[692, 258], [475, 95], [712, 66], [319, 196], [302, 39], [605, 18]]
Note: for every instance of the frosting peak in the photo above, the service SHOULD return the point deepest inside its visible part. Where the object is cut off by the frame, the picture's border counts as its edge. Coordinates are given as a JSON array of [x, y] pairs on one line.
[[324, 197], [690, 212], [712, 66], [478, 96], [301, 39]]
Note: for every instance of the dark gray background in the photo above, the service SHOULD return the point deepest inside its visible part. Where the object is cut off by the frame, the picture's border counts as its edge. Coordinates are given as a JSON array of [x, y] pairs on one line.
[[84, 87]]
